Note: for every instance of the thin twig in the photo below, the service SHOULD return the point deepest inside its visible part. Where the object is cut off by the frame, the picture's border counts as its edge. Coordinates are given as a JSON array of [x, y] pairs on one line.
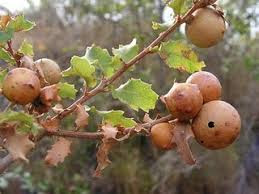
[[100, 135]]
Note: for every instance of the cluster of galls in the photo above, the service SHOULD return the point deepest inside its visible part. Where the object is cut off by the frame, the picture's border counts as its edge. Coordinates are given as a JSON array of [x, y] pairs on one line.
[[215, 123], [27, 84]]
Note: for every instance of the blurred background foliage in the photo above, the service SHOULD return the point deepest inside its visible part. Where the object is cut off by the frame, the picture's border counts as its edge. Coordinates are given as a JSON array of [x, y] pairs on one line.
[[67, 27]]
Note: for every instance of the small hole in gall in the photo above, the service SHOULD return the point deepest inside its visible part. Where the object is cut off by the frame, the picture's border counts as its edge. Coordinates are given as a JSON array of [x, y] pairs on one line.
[[211, 124]]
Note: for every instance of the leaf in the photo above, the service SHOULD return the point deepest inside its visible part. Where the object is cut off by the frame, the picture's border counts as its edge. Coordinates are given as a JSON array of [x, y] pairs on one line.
[[181, 134], [66, 90], [161, 26], [102, 58], [49, 94], [109, 131], [102, 156], [26, 48], [51, 125], [137, 94], [4, 55], [180, 56], [80, 66], [19, 23], [81, 117], [4, 21], [116, 118], [58, 108], [3, 73], [177, 6], [6, 35], [127, 52], [25, 123], [58, 152], [18, 146], [180, 6]]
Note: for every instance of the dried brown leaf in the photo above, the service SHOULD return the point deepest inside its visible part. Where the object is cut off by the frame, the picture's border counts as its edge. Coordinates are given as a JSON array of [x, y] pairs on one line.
[[49, 94], [109, 131], [182, 132], [58, 152], [51, 125], [18, 146], [102, 156], [147, 118], [81, 117], [58, 108], [4, 20]]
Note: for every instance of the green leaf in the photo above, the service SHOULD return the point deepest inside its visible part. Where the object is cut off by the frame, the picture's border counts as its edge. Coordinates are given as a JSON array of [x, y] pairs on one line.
[[161, 26], [116, 118], [177, 5], [137, 94], [19, 23], [25, 123], [26, 48], [67, 90], [180, 6], [80, 66], [180, 56], [4, 55], [6, 35], [127, 52], [102, 58], [3, 73]]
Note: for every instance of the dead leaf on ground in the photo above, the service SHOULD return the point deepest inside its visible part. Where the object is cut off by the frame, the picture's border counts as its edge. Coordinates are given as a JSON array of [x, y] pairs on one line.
[[58, 152], [81, 117]]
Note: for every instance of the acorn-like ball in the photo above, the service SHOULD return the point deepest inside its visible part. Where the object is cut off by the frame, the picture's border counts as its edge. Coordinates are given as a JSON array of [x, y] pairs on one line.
[[208, 84], [161, 135], [21, 86], [217, 125], [184, 101], [50, 69], [206, 29]]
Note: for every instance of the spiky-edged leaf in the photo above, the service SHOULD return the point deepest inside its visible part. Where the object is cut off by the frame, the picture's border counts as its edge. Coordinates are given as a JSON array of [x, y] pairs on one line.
[[137, 94], [26, 48], [3, 73], [102, 59], [67, 90], [25, 123], [127, 52], [19, 23], [81, 66], [180, 56], [5, 56], [6, 35], [116, 118]]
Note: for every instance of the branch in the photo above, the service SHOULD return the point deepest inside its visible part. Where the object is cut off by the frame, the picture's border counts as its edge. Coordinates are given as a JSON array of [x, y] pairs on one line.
[[12, 52], [104, 83], [100, 135]]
